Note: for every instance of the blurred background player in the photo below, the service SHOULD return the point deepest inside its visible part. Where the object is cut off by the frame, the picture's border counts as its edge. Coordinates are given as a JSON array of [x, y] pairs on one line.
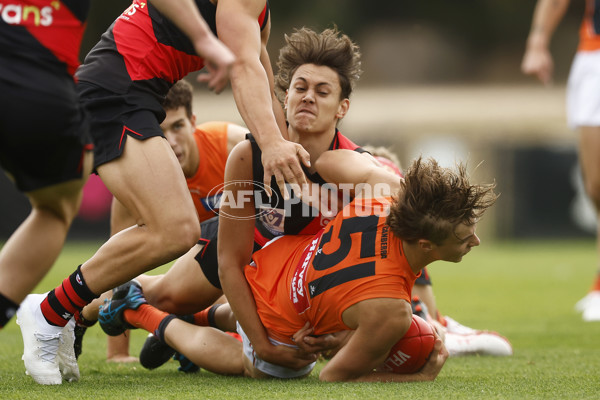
[[123, 100], [47, 157], [583, 102]]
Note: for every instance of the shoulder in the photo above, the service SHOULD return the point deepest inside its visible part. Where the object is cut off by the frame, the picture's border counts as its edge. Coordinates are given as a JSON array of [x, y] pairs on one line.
[[240, 156]]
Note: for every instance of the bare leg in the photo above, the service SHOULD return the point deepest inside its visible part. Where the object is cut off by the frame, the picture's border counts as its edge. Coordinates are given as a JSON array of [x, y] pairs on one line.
[[589, 158], [148, 181], [183, 289], [206, 347], [33, 248]]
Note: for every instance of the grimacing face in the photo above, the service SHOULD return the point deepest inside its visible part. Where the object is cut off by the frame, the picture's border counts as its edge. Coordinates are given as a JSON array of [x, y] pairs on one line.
[[179, 132], [458, 244], [313, 101]]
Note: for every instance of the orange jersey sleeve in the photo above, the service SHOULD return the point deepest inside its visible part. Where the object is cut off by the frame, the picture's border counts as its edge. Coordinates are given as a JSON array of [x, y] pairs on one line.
[[355, 258], [589, 32], [206, 185]]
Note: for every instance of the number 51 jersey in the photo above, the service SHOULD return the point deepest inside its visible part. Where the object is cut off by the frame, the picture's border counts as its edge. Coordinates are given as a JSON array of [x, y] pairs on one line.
[[356, 257]]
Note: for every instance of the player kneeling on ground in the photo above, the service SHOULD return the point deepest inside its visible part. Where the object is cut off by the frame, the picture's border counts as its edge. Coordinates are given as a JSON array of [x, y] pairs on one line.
[[356, 274]]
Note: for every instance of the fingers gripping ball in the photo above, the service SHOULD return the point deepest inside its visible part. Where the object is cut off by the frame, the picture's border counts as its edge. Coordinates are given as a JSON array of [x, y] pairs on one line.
[[411, 352]]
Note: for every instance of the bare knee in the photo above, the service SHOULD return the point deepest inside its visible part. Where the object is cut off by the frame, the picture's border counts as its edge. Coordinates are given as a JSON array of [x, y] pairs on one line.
[[61, 207], [179, 236]]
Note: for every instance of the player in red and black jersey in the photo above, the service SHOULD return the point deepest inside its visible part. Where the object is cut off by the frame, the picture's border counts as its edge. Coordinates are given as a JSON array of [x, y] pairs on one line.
[[47, 156], [143, 174]]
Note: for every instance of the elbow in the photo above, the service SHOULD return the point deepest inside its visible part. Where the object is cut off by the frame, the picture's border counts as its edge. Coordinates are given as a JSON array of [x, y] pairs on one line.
[[328, 375]]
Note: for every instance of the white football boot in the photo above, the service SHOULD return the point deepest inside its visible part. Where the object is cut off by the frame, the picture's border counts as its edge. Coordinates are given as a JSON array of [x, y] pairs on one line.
[[590, 306], [40, 342], [483, 343], [463, 341], [67, 361]]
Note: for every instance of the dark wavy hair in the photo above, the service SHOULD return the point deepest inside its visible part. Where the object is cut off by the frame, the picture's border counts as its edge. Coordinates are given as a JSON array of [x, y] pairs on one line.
[[434, 200], [329, 48]]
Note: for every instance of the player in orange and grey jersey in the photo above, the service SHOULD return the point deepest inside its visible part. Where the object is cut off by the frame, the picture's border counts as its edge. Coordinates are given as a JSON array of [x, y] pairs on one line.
[[583, 102], [355, 275]]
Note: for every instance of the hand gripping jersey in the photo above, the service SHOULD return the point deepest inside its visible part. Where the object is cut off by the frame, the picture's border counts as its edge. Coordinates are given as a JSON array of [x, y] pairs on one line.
[[589, 32], [206, 186], [144, 49], [295, 279], [277, 217], [40, 37]]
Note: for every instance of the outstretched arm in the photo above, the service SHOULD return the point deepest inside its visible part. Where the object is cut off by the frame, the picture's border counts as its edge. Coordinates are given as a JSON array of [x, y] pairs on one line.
[[252, 83], [218, 58], [537, 60]]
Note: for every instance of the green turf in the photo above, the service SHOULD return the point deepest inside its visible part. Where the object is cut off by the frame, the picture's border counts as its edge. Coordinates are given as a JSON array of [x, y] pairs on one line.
[[525, 290]]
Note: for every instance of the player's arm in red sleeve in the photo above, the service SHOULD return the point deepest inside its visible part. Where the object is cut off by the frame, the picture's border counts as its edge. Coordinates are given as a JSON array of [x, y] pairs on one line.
[[235, 243], [379, 323]]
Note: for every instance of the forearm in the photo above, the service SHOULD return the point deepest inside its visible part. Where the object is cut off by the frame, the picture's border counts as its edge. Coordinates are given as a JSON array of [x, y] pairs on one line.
[[240, 298], [376, 376], [546, 17], [251, 92]]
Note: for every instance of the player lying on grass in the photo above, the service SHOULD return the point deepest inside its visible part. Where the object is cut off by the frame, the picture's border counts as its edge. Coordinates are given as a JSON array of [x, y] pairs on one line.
[[356, 274]]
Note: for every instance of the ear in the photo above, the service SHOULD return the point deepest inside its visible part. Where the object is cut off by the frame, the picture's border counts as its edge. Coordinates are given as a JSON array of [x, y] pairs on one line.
[[285, 100], [425, 245], [193, 120], [343, 109]]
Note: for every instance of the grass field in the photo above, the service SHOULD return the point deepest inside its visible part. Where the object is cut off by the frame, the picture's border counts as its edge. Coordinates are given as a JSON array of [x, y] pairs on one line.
[[526, 291]]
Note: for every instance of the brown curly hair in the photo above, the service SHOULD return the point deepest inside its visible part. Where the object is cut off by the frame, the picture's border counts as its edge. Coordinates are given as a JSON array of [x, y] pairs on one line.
[[433, 200], [329, 48]]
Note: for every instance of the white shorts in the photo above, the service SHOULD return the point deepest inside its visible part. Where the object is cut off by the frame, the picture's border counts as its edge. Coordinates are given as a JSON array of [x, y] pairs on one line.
[[271, 369], [583, 90]]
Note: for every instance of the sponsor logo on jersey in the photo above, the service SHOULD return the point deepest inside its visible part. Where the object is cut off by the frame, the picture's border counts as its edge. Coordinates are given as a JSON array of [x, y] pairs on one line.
[[28, 15], [273, 219], [298, 294]]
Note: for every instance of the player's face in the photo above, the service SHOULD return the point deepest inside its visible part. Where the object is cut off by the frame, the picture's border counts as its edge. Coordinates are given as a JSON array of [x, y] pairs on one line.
[[456, 246], [179, 131], [312, 101]]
